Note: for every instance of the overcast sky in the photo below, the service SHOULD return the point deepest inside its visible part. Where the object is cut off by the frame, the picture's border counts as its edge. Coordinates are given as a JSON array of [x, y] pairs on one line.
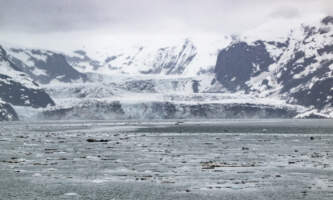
[[37, 22]]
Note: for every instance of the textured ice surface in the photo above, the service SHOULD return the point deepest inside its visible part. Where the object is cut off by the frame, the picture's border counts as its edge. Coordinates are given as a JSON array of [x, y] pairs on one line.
[[230, 159]]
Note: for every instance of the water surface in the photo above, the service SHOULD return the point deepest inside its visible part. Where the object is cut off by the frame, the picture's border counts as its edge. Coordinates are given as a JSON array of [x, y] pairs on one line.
[[193, 159]]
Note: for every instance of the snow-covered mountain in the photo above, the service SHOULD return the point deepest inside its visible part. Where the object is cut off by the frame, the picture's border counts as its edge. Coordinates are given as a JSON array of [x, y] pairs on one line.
[[7, 112], [17, 88], [44, 66], [181, 57], [299, 70], [233, 77]]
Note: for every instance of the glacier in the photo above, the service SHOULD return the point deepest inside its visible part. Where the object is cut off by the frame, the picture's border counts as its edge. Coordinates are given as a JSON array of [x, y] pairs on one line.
[[232, 77]]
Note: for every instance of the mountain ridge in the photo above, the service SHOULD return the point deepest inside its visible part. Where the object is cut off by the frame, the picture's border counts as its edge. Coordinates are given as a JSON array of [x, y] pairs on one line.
[[295, 74]]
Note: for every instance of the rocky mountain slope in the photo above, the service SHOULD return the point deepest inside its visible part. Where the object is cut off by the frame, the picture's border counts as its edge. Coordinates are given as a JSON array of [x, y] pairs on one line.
[[44, 66], [7, 112], [178, 57], [169, 60], [299, 70], [17, 88]]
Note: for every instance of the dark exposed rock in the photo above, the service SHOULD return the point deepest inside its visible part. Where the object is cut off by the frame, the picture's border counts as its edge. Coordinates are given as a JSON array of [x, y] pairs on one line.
[[234, 64], [15, 90], [17, 94], [54, 66], [177, 62], [195, 86], [326, 49], [317, 95], [305, 77], [109, 59], [327, 20], [7, 113], [83, 58], [293, 67]]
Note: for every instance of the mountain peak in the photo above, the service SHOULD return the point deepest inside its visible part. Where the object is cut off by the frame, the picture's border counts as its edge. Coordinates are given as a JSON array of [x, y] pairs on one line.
[[2, 51], [327, 20]]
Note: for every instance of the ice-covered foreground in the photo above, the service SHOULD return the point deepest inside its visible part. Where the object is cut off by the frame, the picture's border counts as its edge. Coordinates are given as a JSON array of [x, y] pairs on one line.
[[231, 159]]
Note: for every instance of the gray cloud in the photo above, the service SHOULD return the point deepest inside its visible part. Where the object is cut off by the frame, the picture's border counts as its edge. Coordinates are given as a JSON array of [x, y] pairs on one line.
[[44, 15], [285, 12], [67, 15], [33, 21], [142, 15]]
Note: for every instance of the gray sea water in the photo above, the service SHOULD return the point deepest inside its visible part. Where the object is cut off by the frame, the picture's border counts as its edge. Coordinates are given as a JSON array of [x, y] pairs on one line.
[[193, 159]]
